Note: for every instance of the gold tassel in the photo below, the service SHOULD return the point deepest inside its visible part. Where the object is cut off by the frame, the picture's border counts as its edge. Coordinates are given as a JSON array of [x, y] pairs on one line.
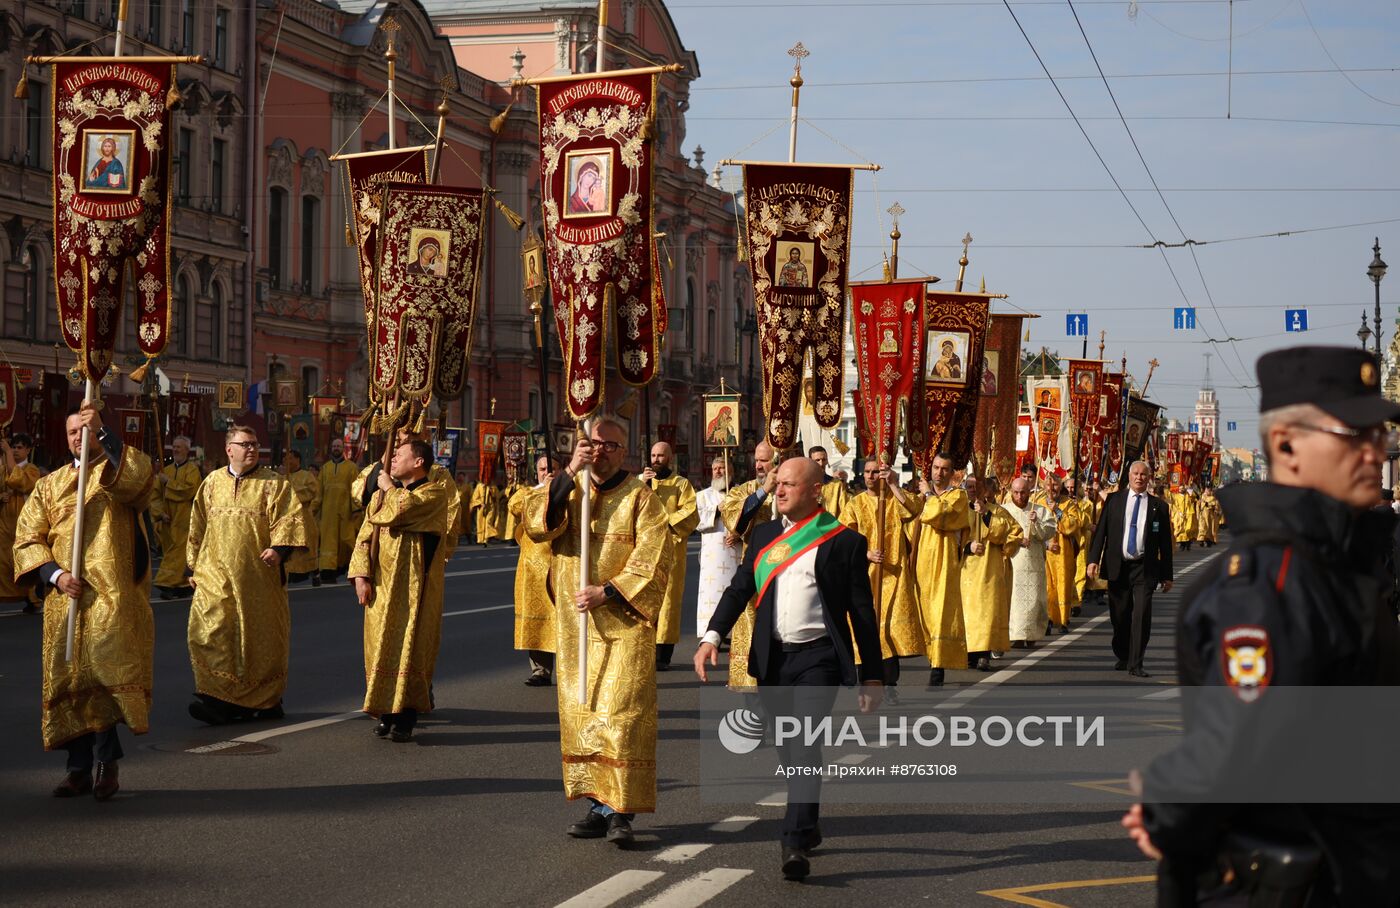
[[516, 221], [349, 237], [138, 374], [498, 122], [173, 98], [886, 271], [22, 89]]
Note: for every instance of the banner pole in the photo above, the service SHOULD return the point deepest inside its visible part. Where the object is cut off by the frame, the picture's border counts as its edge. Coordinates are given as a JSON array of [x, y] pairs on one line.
[[89, 397], [390, 56], [585, 547], [121, 29], [798, 53], [598, 65]]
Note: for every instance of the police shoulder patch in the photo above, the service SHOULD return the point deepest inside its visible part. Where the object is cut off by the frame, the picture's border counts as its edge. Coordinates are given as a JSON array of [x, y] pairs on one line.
[[1247, 660]]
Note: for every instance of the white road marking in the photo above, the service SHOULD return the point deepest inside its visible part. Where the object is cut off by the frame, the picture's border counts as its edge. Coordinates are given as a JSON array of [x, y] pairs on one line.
[[776, 799], [679, 854], [500, 570], [613, 889], [212, 748], [1170, 693], [697, 890], [477, 611], [734, 824]]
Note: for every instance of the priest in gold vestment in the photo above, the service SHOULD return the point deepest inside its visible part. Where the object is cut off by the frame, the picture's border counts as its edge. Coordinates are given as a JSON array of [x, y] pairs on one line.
[[942, 526], [534, 609], [1208, 518], [994, 539], [397, 568], [896, 597], [608, 741], [834, 491], [1185, 516], [465, 487], [746, 506], [337, 526], [108, 683], [678, 497], [307, 489], [17, 480], [485, 508], [1061, 552], [244, 525], [176, 485]]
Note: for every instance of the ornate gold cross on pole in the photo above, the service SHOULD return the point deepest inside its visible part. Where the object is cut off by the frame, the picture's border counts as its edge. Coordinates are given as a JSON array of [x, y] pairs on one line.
[[798, 54], [962, 262], [391, 29], [894, 212]]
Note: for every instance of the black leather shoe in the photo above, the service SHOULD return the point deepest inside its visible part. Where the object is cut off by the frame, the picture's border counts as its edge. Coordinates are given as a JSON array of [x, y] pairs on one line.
[[400, 735], [593, 826], [984, 664], [795, 864], [74, 784], [106, 784], [935, 678], [1120, 665], [207, 714], [814, 841], [891, 695], [538, 679], [382, 729], [272, 712], [1138, 673], [619, 829]]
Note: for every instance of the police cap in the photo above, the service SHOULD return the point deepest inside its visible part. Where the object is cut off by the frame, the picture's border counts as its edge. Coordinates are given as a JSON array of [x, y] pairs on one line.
[[1342, 381]]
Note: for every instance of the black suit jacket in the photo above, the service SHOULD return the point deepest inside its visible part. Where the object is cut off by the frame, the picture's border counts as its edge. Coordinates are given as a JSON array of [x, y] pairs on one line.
[[1106, 549], [843, 578]]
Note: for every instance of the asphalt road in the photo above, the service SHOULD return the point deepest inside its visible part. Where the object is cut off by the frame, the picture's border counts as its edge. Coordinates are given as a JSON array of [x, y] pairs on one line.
[[313, 809]]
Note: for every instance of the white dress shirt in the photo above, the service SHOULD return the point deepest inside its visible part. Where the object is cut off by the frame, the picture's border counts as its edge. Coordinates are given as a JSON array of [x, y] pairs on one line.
[[1142, 523], [797, 599]]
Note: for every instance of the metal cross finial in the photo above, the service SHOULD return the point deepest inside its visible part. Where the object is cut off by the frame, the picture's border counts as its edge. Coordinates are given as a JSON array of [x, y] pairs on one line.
[[896, 211], [966, 241], [799, 53]]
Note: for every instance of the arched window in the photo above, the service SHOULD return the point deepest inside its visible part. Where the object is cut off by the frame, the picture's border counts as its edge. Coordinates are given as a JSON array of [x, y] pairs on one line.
[[277, 237], [310, 243]]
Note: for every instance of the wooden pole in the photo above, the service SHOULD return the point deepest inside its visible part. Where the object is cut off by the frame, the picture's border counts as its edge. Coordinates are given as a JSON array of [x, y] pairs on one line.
[[90, 396], [585, 550]]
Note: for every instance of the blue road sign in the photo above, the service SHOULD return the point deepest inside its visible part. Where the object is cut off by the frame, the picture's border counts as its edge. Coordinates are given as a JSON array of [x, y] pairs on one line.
[[1184, 318], [1295, 319], [1194, 427], [1077, 324], [1230, 426]]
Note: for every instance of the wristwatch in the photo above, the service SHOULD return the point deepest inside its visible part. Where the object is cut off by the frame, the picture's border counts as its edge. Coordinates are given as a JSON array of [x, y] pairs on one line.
[[610, 591]]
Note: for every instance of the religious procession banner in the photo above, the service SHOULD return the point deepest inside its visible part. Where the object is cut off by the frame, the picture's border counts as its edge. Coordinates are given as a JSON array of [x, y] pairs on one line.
[[133, 428], [1086, 400], [9, 396], [887, 327], [1000, 394], [1108, 431], [1186, 456], [111, 172], [1025, 447], [799, 229], [428, 273], [516, 447], [184, 415], [1139, 424], [1047, 436], [596, 173], [488, 446], [363, 179], [954, 347], [721, 421], [1052, 392]]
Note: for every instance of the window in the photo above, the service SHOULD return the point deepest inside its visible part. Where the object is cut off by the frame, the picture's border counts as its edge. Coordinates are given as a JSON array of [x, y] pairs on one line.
[[310, 235], [33, 291], [186, 154], [690, 313], [216, 323], [217, 158], [187, 26], [35, 135], [277, 237], [712, 334], [310, 381], [184, 317], [221, 38], [155, 20]]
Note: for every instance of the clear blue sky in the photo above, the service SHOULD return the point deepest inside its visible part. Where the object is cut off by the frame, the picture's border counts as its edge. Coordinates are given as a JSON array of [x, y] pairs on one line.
[[973, 138]]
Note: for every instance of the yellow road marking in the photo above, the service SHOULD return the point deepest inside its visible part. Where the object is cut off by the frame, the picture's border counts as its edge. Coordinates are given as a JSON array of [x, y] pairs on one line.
[[1019, 895]]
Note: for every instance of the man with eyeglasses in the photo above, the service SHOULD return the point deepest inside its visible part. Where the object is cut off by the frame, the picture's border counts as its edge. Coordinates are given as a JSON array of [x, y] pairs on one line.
[[608, 742], [244, 524], [1297, 600]]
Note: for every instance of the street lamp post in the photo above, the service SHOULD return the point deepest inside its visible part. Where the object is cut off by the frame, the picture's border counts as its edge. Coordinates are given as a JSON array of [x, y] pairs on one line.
[[1376, 271], [1363, 333]]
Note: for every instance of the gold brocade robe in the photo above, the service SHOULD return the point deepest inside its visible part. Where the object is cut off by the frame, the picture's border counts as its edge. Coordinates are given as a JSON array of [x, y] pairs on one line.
[[1060, 594], [240, 629], [109, 680], [509, 518], [941, 527], [986, 581], [896, 600], [534, 610], [307, 490], [337, 526], [678, 497], [181, 482], [1208, 520], [464, 506], [1184, 517], [609, 742], [1085, 508], [741, 635], [834, 496], [1083, 565], [485, 500], [403, 625], [18, 485]]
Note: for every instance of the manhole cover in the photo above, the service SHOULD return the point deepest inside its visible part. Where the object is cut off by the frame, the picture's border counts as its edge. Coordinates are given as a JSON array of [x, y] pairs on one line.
[[218, 749]]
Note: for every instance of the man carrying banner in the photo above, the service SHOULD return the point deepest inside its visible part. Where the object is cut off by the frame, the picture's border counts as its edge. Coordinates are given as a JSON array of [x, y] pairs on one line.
[[745, 506], [534, 610], [108, 681], [1060, 552], [244, 524], [397, 569], [609, 740], [719, 552], [176, 485], [834, 491], [945, 518], [337, 528], [995, 538], [678, 497], [307, 489]]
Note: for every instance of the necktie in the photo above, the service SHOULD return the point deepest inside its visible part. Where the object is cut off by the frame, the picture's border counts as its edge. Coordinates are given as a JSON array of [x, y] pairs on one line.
[[1132, 527]]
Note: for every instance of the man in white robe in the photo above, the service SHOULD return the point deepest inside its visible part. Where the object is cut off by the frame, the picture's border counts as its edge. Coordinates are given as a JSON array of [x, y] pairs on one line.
[[1029, 608], [719, 553]]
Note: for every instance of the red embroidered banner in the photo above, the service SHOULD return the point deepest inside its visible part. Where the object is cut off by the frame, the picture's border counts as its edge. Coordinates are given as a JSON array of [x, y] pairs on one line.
[[887, 324], [1108, 430], [799, 226], [184, 415], [953, 351], [1187, 457], [1139, 426], [111, 171], [1025, 450], [1000, 394], [9, 396], [1047, 437], [516, 447], [488, 444], [596, 173], [133, 428], [428, 273], [363, 179]]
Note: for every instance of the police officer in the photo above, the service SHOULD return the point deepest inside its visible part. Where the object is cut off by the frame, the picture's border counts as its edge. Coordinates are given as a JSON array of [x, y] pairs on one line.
[[1302, 594]]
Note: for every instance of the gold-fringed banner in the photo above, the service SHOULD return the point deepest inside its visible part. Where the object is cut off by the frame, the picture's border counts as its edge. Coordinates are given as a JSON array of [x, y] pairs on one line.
[[887, 325], [954, 348], [1108, 432], [1000, 394], [9, 396], [111, 177], [1138, 426], [1053, 392], [488, 446], [363, 177], [799, 227], [428, 271], [596, 174]]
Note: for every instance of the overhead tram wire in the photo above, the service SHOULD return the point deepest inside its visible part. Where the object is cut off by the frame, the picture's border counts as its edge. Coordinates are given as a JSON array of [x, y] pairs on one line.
[[1153, 178]]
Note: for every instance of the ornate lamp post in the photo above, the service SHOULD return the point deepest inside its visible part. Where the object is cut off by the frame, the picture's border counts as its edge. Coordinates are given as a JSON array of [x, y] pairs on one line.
[[1363, 333], [1376, 271]]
